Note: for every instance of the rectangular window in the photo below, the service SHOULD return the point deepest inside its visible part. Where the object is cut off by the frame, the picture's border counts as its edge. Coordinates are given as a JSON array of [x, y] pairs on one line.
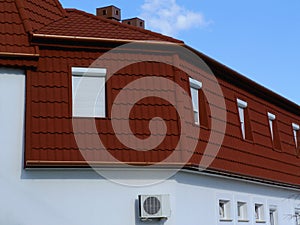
[[195, 86], [297, 216], [224, 210], [273, 216], [274, 131], [296, 129], [88, 92], [271, 118], [259, 213], [242, 105], [242, 211]]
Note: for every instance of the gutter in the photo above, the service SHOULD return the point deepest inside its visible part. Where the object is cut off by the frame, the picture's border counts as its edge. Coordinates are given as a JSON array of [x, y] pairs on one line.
[[17, 55], [94, 39], [241, 178], [187, 168]]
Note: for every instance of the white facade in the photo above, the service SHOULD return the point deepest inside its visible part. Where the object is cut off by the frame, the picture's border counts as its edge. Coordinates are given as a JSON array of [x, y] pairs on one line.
[[82, 197]]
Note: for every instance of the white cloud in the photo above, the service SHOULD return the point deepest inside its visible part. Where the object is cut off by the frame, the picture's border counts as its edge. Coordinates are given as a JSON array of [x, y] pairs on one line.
[[167, 17]]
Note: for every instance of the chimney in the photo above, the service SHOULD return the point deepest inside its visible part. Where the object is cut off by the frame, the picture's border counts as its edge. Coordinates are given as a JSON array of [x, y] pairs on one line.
[[109, 12], [137, 22]]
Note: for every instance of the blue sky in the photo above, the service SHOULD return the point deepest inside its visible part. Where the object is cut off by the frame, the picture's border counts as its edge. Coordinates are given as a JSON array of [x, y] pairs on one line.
[[259, 39]]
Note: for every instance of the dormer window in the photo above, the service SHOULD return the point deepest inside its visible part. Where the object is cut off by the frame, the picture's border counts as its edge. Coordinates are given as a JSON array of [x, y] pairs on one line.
[[296, 129], [271, 118], [274, 131], [242, 106], [244, 119], [195, 86]]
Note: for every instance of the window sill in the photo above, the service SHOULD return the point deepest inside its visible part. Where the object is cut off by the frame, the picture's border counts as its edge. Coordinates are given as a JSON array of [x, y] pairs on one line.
[[226, 220], [244, 221], [260, 221]]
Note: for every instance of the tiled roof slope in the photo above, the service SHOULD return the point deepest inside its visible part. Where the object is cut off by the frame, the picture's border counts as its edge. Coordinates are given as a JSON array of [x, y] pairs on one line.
[[39, 13], [81, 24], [50, 137], [18, 18], [13, 37]]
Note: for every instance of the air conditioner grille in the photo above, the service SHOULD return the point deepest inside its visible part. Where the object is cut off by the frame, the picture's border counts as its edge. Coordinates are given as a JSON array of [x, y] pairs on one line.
[[152, 205]]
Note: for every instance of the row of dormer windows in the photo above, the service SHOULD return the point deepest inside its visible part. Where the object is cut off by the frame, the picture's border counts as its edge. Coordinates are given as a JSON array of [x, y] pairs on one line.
[[244, 119]]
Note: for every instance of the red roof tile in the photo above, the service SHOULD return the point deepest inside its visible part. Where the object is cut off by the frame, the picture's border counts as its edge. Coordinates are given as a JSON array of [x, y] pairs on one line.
[[82, 24], [40, 13], [13, 38]]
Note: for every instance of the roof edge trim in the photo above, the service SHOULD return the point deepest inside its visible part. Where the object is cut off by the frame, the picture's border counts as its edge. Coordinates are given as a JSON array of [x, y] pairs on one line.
[[48, 36], [190, 167], [16, 54], [58, 4], [238, 177], [83, 164]]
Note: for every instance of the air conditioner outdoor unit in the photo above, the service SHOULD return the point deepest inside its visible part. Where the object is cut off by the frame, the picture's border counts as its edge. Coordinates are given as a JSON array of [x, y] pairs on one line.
[[154, 206]]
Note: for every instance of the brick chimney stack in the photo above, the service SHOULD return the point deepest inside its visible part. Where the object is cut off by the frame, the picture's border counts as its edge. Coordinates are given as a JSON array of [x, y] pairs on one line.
[[109, 12], [137, 22]]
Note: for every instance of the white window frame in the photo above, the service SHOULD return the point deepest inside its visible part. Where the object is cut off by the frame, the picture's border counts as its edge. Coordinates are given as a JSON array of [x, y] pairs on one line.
[[273, 215], [224, 210], [259, 211], [242, 211], [88, 92], [271, 118], [297, 216], [195, 86], [242, 105], [296, 129]]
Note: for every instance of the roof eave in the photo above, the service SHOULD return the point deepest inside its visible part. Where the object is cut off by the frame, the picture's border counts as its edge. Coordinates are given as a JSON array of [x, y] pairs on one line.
[[18, 55], [36, 36]]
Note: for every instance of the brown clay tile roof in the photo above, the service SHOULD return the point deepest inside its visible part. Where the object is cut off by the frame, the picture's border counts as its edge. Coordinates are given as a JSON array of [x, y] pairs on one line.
[[82, 24], [40, 13], [19, 18], [13, 37]]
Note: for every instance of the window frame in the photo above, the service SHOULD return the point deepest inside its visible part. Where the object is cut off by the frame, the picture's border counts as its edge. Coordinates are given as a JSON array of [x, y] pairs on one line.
[[271, 120], [242, 209], [225, 205], [274, 132], [195, 85], [242, 106], [273, 213], [86, 72], [261, 213], [297, 216], [296, 129]]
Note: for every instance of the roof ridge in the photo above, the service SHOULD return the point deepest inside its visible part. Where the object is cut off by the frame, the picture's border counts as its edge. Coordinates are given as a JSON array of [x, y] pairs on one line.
[[145, 31], [23, 16], [61, 8], [27, 10], [53, 21]]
